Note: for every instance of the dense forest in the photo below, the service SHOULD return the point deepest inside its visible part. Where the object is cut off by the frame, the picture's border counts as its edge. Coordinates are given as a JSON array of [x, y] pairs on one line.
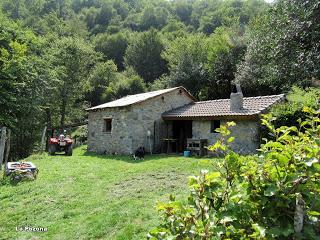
[[58, 57]]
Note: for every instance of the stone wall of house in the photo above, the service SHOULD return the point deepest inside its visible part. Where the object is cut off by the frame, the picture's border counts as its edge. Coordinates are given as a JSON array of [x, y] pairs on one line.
[[130, 125], [109, 142], [246, 134], [147, 116]]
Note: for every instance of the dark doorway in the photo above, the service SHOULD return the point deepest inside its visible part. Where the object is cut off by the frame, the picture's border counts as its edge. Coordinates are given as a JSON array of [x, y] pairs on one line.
[[181, 130]]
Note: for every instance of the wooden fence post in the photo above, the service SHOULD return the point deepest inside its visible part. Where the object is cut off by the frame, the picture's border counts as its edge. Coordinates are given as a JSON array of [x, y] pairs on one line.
[[8, 146], [2, 145]]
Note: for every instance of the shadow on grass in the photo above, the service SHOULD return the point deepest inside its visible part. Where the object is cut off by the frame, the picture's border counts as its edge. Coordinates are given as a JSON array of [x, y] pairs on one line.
[[59, 154], [130, 159], [7, 180]]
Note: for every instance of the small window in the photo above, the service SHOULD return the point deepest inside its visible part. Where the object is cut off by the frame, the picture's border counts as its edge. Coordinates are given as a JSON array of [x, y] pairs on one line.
[[214, 125], [107, 125]]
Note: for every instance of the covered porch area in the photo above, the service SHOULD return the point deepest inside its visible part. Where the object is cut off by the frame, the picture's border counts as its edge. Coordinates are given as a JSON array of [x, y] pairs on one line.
[[176, 137]]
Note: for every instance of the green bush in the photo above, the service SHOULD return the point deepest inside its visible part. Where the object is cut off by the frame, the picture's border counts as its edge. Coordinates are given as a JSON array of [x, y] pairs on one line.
[[80, 134], [273, 195], [288, 113], [127, 83]]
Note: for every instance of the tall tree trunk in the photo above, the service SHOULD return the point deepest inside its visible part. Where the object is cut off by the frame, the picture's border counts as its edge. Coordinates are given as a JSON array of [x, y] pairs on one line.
[[63, 113], [63, 107], [48, 118], [2, 144], [43, 139], [6, 159]]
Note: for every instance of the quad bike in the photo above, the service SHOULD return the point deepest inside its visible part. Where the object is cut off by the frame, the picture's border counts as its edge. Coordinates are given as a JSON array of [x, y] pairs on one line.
[[60, 144]]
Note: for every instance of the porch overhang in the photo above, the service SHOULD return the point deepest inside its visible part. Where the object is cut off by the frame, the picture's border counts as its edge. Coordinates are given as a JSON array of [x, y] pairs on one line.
[[210, 118]]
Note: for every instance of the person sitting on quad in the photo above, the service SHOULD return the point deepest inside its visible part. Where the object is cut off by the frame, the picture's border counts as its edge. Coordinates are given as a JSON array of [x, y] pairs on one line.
[[60, 143], [63, 135]]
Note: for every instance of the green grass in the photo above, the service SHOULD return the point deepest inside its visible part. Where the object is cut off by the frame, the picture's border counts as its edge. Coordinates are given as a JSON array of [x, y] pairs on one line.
[[90, 196]]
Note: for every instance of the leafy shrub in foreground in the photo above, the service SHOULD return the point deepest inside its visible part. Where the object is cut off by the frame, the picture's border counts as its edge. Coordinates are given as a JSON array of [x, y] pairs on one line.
[[273, 195], [288, 113]]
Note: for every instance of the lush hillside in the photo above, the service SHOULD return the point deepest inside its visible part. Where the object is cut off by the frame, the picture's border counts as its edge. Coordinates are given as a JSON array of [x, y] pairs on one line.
[[58, 57]]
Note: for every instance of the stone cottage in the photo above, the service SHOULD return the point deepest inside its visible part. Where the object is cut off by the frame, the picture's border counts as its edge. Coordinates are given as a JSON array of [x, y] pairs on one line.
[[169, 118]]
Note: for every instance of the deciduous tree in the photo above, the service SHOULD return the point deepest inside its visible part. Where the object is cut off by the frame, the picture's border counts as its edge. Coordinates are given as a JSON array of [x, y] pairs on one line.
[[144, 55]]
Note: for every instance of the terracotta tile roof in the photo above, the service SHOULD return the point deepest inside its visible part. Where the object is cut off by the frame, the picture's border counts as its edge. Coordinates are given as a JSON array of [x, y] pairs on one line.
[[137, 98], [216, 108]]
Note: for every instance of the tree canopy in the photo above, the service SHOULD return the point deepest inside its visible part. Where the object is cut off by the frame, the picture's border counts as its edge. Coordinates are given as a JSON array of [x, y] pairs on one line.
[[283, 48], [59, 57]]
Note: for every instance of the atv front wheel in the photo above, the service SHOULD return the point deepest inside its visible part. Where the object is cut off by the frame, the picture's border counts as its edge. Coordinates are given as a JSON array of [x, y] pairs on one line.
[[69, 150], [52, 149]]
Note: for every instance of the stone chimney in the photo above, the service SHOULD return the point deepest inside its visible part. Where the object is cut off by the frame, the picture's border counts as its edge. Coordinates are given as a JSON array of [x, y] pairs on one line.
[[236, 99]]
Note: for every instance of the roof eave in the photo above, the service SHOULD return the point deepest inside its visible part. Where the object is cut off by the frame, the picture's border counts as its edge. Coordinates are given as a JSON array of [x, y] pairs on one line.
[[140, 101], [208, 118], [98, 109], [281, 99]]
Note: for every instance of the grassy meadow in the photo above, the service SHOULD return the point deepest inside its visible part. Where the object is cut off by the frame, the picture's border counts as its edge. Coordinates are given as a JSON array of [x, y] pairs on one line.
[[89, 196]]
